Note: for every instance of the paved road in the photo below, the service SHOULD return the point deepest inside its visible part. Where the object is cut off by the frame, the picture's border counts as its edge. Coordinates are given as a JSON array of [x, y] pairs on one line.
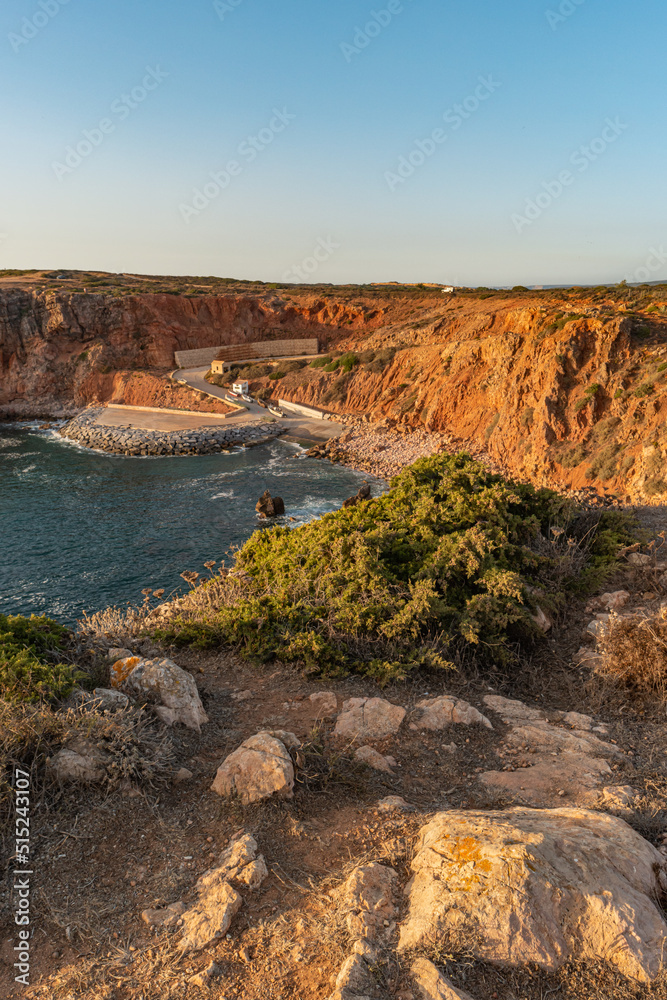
[[299, 428]]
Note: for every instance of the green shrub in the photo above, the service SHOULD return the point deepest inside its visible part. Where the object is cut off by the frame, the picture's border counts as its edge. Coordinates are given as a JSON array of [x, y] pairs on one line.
[[29, 649], [644, 390], [348, 361], [618, 394], [662, 367], [320, 362], [449, 556]]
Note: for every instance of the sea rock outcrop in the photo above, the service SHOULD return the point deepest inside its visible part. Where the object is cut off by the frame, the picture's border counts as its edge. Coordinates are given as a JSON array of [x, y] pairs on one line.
[[268, 506]]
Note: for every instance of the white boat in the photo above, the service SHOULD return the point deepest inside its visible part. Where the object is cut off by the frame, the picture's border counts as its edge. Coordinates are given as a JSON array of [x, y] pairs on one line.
[[276, 412]]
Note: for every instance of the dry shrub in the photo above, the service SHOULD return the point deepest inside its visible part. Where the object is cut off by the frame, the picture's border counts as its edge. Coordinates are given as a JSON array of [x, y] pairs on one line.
[[634, 652], [134, 747]]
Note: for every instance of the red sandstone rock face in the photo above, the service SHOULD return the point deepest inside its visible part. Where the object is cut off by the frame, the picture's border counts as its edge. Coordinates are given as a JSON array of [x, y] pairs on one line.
[[552, 387], [55, 346]]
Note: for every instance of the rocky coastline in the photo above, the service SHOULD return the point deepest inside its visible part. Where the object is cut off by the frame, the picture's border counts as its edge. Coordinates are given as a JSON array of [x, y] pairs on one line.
[[127, 440]]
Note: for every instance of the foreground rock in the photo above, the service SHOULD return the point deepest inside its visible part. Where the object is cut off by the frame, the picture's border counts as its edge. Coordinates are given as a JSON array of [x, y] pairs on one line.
[[218, 902], [366, 900], [542, 886], [81, 762], [259, 769], [439, 713], [432, 985], [268, 506], [163, 683], [369, 718], [547, 763]]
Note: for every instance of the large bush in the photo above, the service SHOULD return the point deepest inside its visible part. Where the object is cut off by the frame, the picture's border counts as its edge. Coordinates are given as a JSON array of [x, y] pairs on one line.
[[29, 653], [451, 555]]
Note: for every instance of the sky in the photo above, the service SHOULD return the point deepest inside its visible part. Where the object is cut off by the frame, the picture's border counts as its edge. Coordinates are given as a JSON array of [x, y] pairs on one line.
[[470, 142]]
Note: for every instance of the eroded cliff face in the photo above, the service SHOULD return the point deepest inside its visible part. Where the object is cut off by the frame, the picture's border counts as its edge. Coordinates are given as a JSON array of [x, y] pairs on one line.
[[54, 346], [561, 388], [577, 402]]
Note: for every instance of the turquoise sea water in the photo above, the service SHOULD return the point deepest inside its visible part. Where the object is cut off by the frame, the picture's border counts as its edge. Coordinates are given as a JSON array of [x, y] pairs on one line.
[[81, 530]]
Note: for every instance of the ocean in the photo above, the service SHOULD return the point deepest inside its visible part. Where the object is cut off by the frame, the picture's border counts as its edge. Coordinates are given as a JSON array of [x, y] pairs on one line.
[[82, 530]]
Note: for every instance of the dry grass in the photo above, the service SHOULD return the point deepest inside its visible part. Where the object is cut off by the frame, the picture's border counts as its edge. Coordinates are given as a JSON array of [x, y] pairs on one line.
[[634, 651], [134, 748]]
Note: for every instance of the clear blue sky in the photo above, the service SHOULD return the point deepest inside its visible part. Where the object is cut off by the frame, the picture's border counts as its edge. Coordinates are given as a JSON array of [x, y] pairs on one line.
[[352, 109]]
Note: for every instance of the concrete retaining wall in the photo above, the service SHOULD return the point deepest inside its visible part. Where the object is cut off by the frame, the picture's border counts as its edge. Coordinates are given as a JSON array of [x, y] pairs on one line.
[[258, 349], [305, 411]]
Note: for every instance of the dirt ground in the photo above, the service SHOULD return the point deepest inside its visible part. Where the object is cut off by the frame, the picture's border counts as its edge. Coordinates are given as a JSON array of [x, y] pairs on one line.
[[103, 856]]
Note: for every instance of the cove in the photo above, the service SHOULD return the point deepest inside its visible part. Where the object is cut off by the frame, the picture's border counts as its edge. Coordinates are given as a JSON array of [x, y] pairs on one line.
[[81, 530]]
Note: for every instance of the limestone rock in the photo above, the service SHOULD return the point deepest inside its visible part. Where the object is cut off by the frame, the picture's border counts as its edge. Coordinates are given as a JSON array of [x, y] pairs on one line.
[[438, 713], [366, 898], [574, 777], [163, 683], [325, 703], [374, 759], [369, 718], [543, 886], [512, 711], [167, 917], [432, 985], [81, 762], [259, 768], [182, 775], [117, 653], [639, 559], [203, 979], [613, 601], [354, 981], [577, 721], [212, 915], [101, 700], [542, 621], [618, 798], [268, 506], [394, 803]]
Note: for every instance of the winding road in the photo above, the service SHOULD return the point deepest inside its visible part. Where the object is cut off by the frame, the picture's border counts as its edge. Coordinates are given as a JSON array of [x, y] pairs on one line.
[[299, 428]]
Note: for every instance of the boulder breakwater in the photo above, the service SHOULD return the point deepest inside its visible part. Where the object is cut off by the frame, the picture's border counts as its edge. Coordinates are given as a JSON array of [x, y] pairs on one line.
[[125, 440]]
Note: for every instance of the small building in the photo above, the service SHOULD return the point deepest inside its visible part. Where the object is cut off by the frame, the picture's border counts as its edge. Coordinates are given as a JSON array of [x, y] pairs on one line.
[[241, 388]]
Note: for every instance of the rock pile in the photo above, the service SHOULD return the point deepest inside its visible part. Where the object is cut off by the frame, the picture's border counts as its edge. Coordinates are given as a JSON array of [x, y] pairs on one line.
[[85, 430]]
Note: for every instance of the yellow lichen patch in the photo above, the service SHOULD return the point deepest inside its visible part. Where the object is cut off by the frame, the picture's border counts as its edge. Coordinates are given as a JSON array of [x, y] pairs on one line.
[[122, 669]]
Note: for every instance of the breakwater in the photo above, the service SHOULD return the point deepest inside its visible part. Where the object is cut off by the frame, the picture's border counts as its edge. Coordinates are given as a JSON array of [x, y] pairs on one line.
[[87, 431]]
